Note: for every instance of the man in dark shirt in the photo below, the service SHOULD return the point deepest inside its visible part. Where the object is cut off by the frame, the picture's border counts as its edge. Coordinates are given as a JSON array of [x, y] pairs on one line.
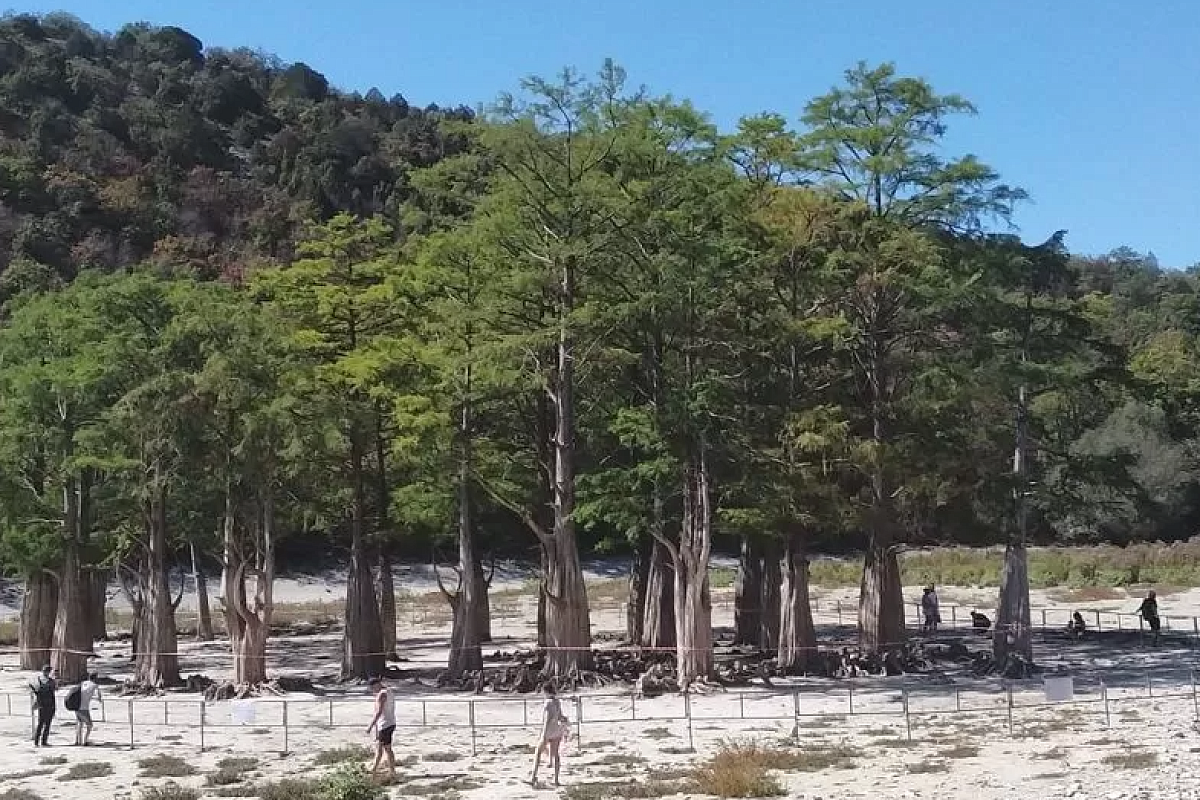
[[1149, 612], [43, 688]]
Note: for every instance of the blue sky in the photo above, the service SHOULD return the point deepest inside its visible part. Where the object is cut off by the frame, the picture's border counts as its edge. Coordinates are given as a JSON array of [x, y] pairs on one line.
[[1090, 105]]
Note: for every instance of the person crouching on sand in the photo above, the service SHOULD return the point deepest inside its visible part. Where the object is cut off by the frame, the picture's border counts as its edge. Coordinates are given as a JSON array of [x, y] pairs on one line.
[[555, 728]]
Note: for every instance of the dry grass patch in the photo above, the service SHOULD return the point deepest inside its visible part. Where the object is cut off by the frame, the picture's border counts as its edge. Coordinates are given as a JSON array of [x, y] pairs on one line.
[[625, 790], [161, 765], [231, 771], [1132, 759], [928, 766], [53, 761], [893, 742], [19, 794], [442, 787], [959, 751], [657, 733], [743, 769], [677, 751], [342, 755], [289, 789], [442, 757], [87, 770], [29, 773], [170, 791], [1050, 776], [619, 759], [1056, 753]]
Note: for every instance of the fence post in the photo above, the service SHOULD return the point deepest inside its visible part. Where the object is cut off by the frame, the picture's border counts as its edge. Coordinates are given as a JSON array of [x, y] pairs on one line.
[[741, 705], [1195, 632], [1043, 619], [1149, 685], [166, 714], [796, 705], [907, 719], [1195, 697], [471, 711], [578, 721], [331, 713], [286, 749], [524, 712], [687, 712], [202, 715], [425, 714], [851, 700], [8, 697], [633, 706], [1104, 694], [130, 724], [839, 612], [1098, 628], [953, 618], [1010, 709], [957, 699]]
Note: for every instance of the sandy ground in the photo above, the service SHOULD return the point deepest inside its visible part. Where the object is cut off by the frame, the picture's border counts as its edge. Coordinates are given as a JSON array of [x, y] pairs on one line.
[[1139, 743]]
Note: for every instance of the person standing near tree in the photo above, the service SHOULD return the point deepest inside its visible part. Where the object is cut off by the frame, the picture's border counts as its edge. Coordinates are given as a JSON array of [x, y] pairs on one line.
[[383, 725], [43, 689], [1149, 612], [929, 608], [555, 728]]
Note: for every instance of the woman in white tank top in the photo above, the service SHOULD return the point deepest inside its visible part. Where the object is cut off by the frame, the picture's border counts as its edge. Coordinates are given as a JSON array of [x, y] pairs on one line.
[[383, 724], [555, 728]]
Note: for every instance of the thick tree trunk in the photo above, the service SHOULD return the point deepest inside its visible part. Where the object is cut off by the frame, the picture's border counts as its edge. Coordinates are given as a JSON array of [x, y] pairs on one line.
[[543, 639], [387, 582], [635, 604], [97, 581], [483, 604], [772, 585], [748, 590], [568, 619], [39, 609], [72, 624], [693, 612], [797, 634], [1013, 631], [659, 628], [72, 631], [204, 626], [157, 662], [362, 638], [881, 600], [465, 638], [387, 601]]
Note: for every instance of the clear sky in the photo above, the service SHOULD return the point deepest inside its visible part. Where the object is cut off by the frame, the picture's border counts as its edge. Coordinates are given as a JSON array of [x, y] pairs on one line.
[[1091, 105]]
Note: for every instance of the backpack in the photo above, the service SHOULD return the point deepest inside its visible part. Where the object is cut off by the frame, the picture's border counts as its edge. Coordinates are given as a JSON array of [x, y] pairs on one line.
[[74, 698]]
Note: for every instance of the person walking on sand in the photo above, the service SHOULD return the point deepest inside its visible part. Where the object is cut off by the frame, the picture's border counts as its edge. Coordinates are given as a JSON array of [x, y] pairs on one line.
[[383, 725], [1149, 612], [88, 690], [929, 608], [43, 688], [555, 728]]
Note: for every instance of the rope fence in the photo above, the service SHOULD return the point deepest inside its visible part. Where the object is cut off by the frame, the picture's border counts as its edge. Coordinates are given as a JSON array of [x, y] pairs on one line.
[[907, 711]]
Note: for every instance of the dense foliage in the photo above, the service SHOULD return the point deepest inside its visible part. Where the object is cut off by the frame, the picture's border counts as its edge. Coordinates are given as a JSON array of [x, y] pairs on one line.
[[238, 299]]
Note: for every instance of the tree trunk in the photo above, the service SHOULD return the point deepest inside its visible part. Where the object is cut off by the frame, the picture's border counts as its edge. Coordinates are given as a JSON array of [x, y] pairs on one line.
[[157, 662], [771, 604], [693, 614], [542, 636], [204, 626], [1012, 634], [797, 634], [658, 631], [748, 591], [881, 600], [387, 583], [72, 624], [72, 631], [568, 620], [39, 609], [362, 638], [483, 604], [387, 601], [465, 637], [97, 581], [639, 573]]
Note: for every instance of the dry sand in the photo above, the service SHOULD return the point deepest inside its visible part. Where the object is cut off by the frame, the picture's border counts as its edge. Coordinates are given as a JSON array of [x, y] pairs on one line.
[[1144, 746]]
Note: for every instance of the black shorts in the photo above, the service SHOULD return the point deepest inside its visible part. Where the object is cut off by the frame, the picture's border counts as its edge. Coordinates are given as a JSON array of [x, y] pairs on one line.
[[1155, 623], [384, 736]]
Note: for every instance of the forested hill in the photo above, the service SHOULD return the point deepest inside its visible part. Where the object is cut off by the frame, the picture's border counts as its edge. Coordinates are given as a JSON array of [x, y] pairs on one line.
[[185, 231], [143, 146]]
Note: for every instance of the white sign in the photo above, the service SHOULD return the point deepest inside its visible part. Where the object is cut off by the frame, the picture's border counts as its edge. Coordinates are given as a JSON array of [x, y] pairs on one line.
[[1059, 690], [242, 712]]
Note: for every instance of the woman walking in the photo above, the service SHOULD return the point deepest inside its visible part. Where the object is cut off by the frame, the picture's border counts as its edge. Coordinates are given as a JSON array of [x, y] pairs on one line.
[[555, 728]]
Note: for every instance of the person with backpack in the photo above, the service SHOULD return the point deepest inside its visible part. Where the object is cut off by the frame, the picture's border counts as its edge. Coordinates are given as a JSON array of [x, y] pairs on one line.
[[79, 700], [43, 689]]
